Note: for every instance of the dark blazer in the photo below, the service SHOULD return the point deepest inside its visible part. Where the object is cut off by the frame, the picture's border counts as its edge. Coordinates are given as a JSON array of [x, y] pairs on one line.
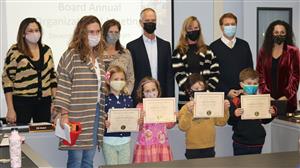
[[142, 67]]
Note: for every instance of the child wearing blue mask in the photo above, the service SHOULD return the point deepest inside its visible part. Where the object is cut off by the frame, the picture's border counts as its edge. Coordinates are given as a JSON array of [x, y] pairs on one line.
[[248, 135]]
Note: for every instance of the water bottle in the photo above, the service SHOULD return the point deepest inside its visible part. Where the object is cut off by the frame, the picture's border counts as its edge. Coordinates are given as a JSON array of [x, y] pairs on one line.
[[15, 142]]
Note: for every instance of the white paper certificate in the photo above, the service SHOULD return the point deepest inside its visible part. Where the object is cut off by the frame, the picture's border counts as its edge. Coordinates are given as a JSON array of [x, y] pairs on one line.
[[208, 104], [159, 110], [255, 106], [123, 120]]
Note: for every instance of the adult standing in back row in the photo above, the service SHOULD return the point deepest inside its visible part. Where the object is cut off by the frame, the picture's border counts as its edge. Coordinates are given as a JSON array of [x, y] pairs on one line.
[[151, 55], [233, 54]]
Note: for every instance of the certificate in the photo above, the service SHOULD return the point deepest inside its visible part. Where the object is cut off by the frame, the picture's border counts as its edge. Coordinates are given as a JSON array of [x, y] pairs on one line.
[[159, 110], [123, 120], [255, 106], [208, 104]]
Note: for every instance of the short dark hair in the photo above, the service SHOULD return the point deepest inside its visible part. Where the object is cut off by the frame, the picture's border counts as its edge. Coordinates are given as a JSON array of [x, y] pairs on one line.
[[227, 15], [248, 73], [191, 80]]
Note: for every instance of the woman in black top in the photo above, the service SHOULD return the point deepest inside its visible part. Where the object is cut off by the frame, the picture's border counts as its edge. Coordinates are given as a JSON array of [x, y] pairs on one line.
[[192, 55]]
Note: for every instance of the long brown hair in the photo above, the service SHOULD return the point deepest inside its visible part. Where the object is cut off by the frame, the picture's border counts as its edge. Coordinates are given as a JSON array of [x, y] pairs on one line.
[[21, 43], [183, 46], [108, 24], [79, 40], [140, 89]]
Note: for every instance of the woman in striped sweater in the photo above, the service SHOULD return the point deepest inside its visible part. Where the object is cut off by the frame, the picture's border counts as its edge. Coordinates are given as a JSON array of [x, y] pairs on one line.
[[29, 79], [192, 55], [79, 96]]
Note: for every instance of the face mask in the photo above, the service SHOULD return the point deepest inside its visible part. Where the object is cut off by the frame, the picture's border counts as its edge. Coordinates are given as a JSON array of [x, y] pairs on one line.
[[112, 38], [93, 40], [279, 39], [250, 89], [229, 31], [117, 85], [149, 27], [193, 35], [153, 94], [33, 37]]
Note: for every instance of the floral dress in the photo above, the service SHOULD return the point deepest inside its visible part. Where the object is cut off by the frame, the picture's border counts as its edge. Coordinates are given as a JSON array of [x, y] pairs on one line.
[[152, 143]]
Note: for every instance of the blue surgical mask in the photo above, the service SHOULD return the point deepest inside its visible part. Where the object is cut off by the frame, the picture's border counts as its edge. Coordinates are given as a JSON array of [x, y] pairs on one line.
[[250, 89], [229, 31]]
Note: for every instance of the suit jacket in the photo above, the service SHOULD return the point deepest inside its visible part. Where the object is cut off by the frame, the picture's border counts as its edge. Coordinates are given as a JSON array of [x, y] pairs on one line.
[[142, 67], [287, 75]]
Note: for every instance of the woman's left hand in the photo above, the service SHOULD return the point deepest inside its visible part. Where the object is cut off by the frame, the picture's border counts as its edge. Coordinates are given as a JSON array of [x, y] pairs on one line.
[[283, 98]]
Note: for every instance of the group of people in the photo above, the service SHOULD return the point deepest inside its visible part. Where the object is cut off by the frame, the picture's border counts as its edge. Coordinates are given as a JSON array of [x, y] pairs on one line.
[[96, 73]]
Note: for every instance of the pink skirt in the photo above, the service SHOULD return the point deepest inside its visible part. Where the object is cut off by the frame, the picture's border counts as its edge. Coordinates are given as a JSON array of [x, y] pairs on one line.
[[152, 153]]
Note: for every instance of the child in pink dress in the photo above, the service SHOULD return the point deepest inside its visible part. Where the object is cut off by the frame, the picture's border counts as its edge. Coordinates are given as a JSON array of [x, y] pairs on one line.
[[152, 142]]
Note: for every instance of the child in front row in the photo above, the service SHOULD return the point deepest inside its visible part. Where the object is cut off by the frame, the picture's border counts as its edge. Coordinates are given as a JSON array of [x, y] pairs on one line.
[[248, 135], [152, 142], [116, 146], [200, 133]]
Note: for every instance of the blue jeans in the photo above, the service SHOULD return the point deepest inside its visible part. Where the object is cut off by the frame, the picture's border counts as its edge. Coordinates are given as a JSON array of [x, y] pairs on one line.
[[85, 158], [240, 149]]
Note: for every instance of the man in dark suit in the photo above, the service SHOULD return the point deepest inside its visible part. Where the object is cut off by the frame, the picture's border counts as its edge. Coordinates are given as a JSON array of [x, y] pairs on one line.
[[151, 55]]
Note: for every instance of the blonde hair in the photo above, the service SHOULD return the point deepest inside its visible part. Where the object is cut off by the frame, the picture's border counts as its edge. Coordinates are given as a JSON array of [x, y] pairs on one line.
[[111, 71], [140, 89], [79, 40], [183, 46]]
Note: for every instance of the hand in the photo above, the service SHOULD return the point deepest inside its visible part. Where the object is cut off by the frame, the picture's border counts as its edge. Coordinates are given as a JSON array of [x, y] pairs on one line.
[[272, 111], [238, 112], [176, 114], [190, 106], [283, 98], [107, 123], [64, 120], [52, 108], [234, 93], [11, 116], [141, 119], [226, 104], [272, 98]]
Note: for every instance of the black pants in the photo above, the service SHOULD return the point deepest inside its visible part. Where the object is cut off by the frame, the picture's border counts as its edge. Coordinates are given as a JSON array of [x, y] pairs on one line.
[[200, 153], [240, 149], [39, 109]]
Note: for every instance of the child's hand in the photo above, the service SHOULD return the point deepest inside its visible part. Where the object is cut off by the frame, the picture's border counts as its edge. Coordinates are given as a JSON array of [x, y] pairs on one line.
[[190, 106], [238, 112], [141, 119], [176, 114], [272, 111], [226, 104], [107, 123]]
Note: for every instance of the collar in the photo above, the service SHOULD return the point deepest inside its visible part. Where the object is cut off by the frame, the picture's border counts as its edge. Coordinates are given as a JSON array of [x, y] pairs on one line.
[[147, 40], [226, 41]]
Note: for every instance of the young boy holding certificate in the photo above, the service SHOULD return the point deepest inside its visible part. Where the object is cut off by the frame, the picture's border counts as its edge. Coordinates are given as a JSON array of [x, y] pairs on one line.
[[199, 132], [248, 135]]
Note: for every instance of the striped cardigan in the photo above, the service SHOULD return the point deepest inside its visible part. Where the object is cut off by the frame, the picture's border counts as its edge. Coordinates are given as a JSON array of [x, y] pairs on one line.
[[77, 93], [22, 78], [210, 72]]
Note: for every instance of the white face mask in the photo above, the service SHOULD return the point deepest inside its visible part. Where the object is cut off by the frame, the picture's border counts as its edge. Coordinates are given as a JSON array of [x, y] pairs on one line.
[[33, 37], [152, 94], [117, 85], [93, 40]]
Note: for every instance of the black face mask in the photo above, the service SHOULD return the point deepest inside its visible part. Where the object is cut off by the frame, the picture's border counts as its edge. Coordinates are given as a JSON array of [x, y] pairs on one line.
[[149, 27], [193, 35], [279, 39]]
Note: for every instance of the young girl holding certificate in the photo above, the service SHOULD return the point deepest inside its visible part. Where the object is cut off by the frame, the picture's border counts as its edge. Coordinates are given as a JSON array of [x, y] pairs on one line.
[[116, 146], [200, 132], [152, 142]]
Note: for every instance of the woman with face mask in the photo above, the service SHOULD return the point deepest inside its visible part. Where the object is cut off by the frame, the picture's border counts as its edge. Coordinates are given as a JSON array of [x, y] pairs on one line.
[[278, 64], [192, 55], [29, 78], [115, 53], [80, 97]]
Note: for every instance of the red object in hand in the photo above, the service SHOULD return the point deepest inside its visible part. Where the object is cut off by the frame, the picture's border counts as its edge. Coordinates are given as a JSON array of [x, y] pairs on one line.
[[75, 130]]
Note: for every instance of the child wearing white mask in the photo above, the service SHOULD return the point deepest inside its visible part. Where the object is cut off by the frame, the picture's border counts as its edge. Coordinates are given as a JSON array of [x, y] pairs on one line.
[[116, 145], [152, 142]]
